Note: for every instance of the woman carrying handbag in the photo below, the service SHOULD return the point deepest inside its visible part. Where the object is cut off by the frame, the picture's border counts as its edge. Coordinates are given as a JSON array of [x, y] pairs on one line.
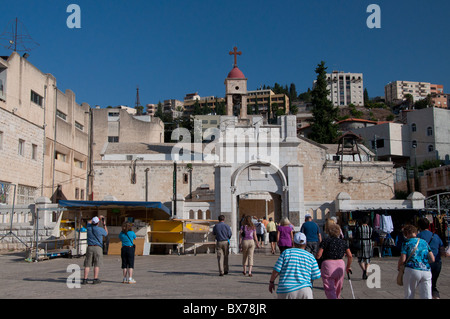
[[415, 258]]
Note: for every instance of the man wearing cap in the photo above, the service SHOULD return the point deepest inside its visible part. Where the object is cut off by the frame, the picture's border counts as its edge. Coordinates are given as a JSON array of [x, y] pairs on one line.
[[94, 252], [296, 268], [312, 232]]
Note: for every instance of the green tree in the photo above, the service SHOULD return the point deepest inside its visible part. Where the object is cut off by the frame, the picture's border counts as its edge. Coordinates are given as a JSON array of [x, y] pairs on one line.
[[294, 109], [293, 96], [197, 108], [366, 97], [423, 103], [305, 96], [324, 129], [409, 100], [220, 108], [159, 111]]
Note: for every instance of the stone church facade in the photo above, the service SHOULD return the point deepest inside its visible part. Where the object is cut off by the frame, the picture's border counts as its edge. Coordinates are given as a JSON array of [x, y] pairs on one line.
[[249, 167]]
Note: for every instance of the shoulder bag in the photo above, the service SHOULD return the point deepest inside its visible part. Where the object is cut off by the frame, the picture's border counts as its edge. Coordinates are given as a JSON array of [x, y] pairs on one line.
[[134, 246], [401, 270]]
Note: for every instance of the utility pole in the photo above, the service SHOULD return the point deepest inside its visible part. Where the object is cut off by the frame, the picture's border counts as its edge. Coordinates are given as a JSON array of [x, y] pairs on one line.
[[174, 188]]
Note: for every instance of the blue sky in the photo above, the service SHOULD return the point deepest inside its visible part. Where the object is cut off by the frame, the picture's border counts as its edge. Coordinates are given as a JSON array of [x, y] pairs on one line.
[[173, 47]]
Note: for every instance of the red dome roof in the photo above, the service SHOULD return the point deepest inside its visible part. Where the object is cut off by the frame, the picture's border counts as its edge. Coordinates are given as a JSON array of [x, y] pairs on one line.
[[236, 74]]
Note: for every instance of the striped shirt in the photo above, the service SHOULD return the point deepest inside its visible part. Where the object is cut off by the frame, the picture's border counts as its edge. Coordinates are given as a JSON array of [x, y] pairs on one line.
[[297, 269]]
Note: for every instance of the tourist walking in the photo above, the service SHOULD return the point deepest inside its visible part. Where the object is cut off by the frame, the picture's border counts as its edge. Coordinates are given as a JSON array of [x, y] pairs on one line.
[[285, 235], [127, 252], [260, 231], [297, 269], [247, 243], [313, 236], [94, 251], [222, 231], [364, 235], [416, 257], [333, 268], [437, 247], [271, 229]]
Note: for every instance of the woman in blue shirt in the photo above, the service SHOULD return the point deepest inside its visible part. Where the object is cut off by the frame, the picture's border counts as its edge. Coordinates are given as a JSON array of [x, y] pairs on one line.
[[417, 268], [127, 236]]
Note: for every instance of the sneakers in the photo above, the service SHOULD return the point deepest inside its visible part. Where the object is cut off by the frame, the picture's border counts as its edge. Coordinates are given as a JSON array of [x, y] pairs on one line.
[[94, 282], [128, 280]]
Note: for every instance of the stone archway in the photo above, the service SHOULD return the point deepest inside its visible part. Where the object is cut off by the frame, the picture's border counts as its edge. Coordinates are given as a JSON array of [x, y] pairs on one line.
[[232, 180], [254, 177]]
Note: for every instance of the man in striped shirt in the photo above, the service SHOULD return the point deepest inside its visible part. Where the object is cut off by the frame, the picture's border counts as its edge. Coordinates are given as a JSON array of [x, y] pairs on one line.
[[297, 269]]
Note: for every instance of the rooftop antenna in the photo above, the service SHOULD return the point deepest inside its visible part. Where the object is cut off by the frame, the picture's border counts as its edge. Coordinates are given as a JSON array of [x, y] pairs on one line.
[[16, 37], [138, 102], [138, 105]]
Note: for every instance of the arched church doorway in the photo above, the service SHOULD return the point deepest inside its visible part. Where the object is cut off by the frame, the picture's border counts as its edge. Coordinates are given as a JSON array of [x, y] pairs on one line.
[[259, 205], [256, 178]]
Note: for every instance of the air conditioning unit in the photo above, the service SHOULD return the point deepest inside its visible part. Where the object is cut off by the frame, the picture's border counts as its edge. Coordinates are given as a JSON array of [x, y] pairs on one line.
[[130, 157]]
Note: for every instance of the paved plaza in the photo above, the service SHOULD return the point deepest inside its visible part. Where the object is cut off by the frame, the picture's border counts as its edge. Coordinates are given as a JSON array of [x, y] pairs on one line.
[[181, 277]]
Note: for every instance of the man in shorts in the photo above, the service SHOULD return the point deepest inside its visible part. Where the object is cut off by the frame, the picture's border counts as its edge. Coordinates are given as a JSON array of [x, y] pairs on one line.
[[94, 252]]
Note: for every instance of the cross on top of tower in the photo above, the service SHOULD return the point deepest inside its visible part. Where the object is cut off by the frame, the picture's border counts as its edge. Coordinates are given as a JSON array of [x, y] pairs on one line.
[[235, 52]]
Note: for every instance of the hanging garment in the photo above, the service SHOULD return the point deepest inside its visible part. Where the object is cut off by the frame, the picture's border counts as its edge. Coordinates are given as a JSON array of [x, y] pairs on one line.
[[387, 225], [376, 222]]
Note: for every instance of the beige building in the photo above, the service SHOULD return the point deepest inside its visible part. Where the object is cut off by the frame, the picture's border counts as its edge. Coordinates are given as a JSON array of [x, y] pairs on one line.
[[43, 134], [266, 101], [116, 125], [345, 88], [396, 91]]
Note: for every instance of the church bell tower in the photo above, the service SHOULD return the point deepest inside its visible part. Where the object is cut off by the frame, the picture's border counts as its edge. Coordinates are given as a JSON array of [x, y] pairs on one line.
[[236, 90]]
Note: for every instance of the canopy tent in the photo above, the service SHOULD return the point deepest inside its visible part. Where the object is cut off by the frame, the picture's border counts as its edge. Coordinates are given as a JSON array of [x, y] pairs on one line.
[[139, 210], [104, 204]]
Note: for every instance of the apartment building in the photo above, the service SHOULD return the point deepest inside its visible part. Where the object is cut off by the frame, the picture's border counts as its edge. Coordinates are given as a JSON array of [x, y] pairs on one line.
[[43, 135], [263, 102], [395, 92], [174, 107], [438, 98], [190, 101], [345, 88]]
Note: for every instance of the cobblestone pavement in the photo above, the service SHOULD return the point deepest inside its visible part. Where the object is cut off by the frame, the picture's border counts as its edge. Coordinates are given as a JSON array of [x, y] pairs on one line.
[[182, 277]]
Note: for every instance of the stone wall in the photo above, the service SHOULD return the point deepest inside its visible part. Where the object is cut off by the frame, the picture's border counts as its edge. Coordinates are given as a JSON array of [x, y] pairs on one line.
[[370, 180], [24, 224], [114, 178]]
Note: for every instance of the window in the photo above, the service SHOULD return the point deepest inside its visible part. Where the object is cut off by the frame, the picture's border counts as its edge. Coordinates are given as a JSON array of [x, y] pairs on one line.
[[79, 126], [60, 156], [34, 151], [21, 150], [78, 163], [413, 127], [61, 115], [429, 131], [380, 144], [430, 148], [113, 139], [81, 194], [1, 140], [36, 98], [25, 194], [5, 189], [77, 193], [414, 144], [185, 178]]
